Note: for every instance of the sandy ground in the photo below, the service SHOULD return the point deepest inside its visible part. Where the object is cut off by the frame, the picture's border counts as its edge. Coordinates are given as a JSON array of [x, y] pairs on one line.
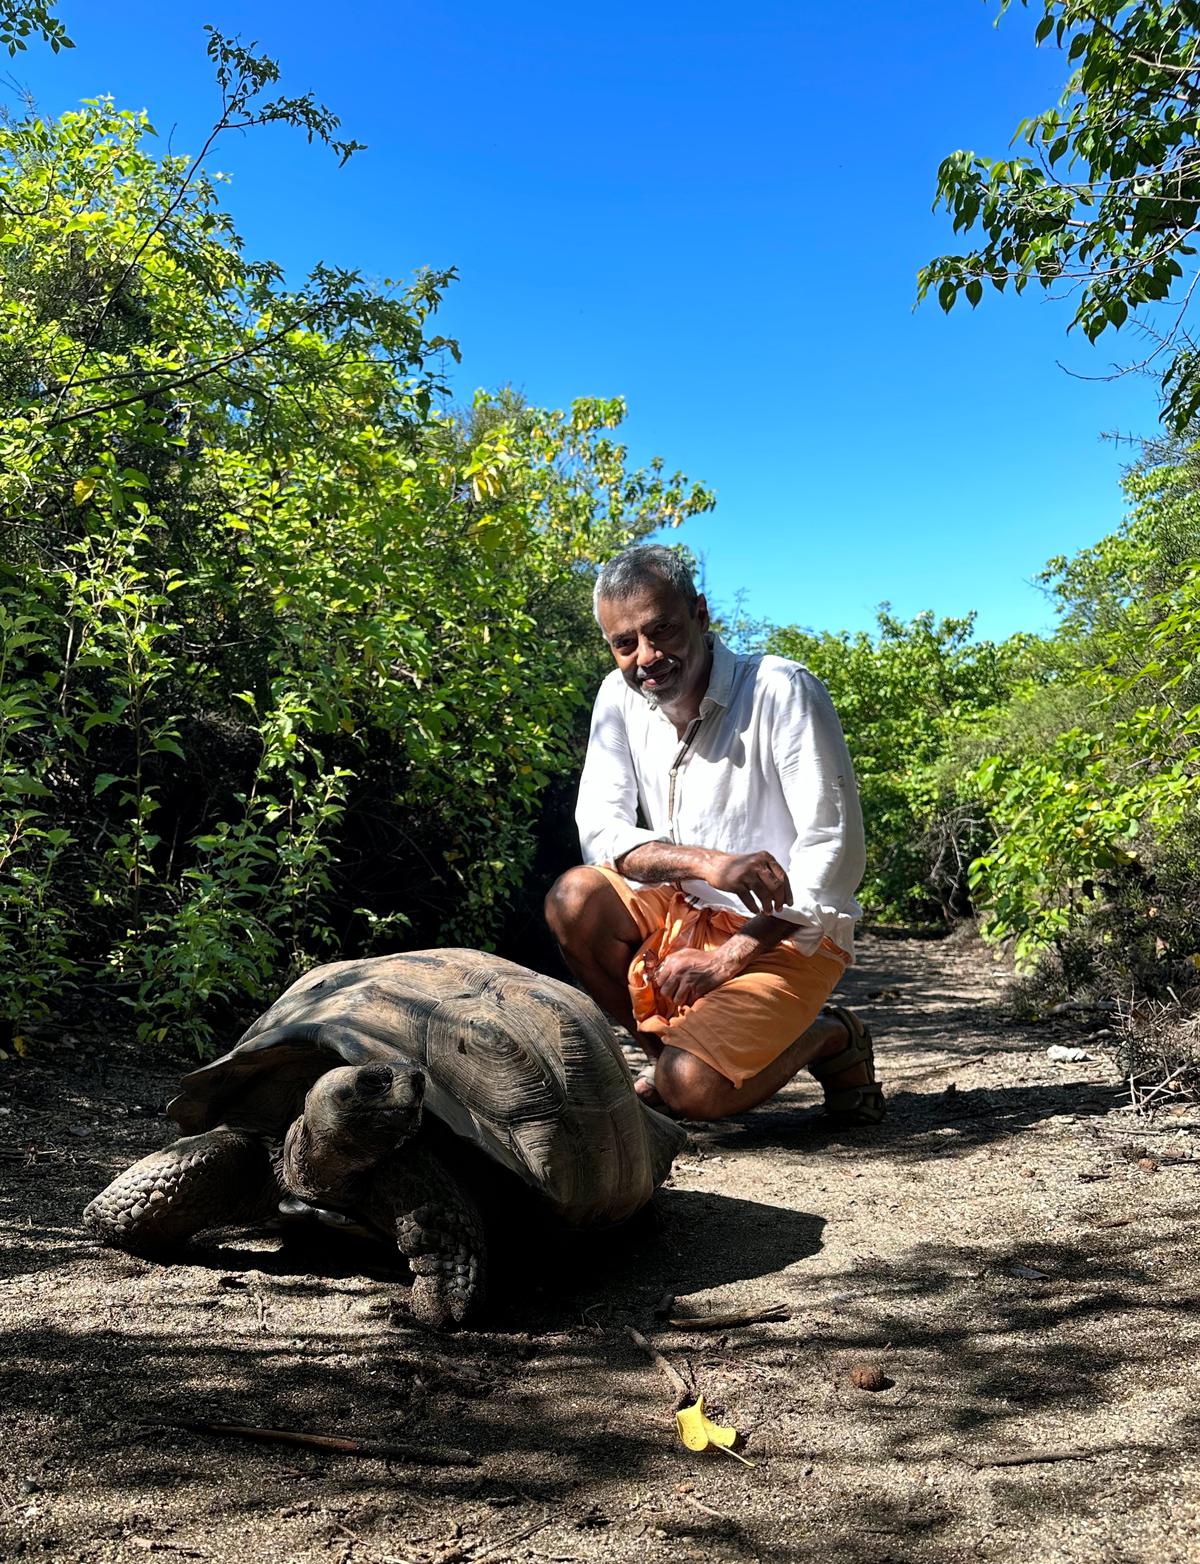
[[1015, 1252]]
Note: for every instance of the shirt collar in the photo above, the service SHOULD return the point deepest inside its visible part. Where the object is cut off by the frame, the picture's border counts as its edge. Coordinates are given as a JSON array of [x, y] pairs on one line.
[[720, 678]]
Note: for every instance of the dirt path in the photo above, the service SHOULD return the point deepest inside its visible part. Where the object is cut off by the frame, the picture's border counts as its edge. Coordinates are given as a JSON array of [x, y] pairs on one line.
[[1014, 1251]]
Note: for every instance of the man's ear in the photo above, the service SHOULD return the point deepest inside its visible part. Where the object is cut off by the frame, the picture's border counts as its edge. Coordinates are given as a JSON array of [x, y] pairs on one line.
[[700, 612]]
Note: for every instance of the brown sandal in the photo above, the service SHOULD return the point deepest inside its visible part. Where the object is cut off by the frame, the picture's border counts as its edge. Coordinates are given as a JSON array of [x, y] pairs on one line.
[[848, 1105]]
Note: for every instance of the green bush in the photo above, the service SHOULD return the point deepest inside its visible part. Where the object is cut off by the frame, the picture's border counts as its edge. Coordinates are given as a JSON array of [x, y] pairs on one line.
[[906, 697], [292, 652], [1085, 820]]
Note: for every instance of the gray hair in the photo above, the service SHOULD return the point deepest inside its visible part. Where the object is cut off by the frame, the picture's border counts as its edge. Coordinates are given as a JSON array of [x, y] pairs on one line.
[[648, 564]]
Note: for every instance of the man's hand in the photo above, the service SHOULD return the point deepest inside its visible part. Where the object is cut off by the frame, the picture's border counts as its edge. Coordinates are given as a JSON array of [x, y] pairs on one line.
[[684, 975], [756, 879]]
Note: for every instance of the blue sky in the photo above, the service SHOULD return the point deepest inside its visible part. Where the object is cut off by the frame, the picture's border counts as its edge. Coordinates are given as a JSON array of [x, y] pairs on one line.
[[717, 212]]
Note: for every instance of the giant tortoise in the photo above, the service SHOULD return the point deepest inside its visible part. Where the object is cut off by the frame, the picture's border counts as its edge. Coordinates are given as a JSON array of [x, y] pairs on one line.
[[320, 1108]]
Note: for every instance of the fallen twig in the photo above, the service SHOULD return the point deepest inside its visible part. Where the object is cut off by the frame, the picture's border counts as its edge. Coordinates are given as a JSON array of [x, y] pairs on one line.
[[771, 1311], [1147, 1097], [952, 1064], [157, 1545], [501, 1548], [676, 1380], [706, 1509], [424, 1455], [1038, 1457]]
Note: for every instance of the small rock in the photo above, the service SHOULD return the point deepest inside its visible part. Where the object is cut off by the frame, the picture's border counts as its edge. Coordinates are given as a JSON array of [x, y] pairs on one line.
[[1061, 1055], [1028, 1172], [81, 1131], [1148, 1164], [868, 1376], [31, 1485]]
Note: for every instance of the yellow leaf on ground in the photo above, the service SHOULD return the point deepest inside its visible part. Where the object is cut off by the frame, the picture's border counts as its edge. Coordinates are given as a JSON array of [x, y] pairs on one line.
[[700, 1433], [21, 1046]]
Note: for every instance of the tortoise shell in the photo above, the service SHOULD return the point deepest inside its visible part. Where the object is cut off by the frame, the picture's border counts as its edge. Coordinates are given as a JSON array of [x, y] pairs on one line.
[[518, 1064]]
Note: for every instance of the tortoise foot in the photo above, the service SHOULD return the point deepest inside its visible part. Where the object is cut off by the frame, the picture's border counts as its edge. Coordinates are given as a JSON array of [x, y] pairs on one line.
[[202, 1181], [439, 1231], [446, 1263]]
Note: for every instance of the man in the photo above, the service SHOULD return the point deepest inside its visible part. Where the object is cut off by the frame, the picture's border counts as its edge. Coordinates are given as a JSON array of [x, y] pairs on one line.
[[717, 929]]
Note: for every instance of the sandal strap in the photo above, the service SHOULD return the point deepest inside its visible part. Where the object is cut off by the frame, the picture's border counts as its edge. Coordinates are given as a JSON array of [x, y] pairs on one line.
[[856, 1104], [859, 1050]]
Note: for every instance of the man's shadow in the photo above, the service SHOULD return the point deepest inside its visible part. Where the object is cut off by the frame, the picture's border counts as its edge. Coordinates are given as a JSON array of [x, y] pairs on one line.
[[953, 1121]]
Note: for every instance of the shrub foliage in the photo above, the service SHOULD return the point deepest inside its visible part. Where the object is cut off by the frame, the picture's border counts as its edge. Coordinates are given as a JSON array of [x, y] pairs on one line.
[[1049, 785], [291, 652]]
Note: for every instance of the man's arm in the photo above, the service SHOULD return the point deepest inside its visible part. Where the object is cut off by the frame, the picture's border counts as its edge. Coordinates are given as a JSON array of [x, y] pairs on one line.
[[757, 879], [827, 859], [606, 810]]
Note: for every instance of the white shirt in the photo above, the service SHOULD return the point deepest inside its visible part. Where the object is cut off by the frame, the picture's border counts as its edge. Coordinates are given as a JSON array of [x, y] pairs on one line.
[[767, 769]]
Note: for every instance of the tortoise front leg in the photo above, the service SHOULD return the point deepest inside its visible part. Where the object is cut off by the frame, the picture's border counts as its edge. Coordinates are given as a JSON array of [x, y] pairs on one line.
[[438, 1228], [208, 1180]]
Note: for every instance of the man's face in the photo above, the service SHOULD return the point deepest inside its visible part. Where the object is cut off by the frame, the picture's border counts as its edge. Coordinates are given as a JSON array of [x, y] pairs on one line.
[[659, 647]]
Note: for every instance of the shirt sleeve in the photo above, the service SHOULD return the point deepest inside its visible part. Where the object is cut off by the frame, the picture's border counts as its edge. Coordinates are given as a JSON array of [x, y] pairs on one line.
[[828, 857], [606, 812]]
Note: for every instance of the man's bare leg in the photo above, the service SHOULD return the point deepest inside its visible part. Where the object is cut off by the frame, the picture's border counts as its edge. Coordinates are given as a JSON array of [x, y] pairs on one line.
[[598, 939], [695, 1090]]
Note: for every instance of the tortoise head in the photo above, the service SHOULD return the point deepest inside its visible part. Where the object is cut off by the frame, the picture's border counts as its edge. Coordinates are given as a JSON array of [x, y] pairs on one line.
[[353, 1117]]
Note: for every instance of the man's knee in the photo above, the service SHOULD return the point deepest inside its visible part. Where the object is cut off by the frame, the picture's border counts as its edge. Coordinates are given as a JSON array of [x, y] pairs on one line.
[[692, 1088], [571, 902]]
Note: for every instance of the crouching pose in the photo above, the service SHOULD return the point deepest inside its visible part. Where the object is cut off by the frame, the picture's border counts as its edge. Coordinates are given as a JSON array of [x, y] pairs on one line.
[[716, 930]]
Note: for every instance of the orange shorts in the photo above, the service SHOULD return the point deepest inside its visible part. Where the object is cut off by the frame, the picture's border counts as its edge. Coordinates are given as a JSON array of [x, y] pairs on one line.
[[740, 1027]]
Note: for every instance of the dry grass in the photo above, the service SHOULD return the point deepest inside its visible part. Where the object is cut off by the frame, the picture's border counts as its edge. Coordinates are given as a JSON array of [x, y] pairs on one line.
[[1158, 1049]]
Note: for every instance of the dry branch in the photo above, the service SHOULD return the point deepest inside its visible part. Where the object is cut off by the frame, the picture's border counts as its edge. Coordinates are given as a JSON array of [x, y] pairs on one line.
[[673, 1377], [770, 1311], [1037, 1457], [424, 1455]]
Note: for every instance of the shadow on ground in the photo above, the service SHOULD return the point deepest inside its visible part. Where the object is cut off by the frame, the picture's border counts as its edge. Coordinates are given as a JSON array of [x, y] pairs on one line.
[[554, 1415], [1050, 1326]]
